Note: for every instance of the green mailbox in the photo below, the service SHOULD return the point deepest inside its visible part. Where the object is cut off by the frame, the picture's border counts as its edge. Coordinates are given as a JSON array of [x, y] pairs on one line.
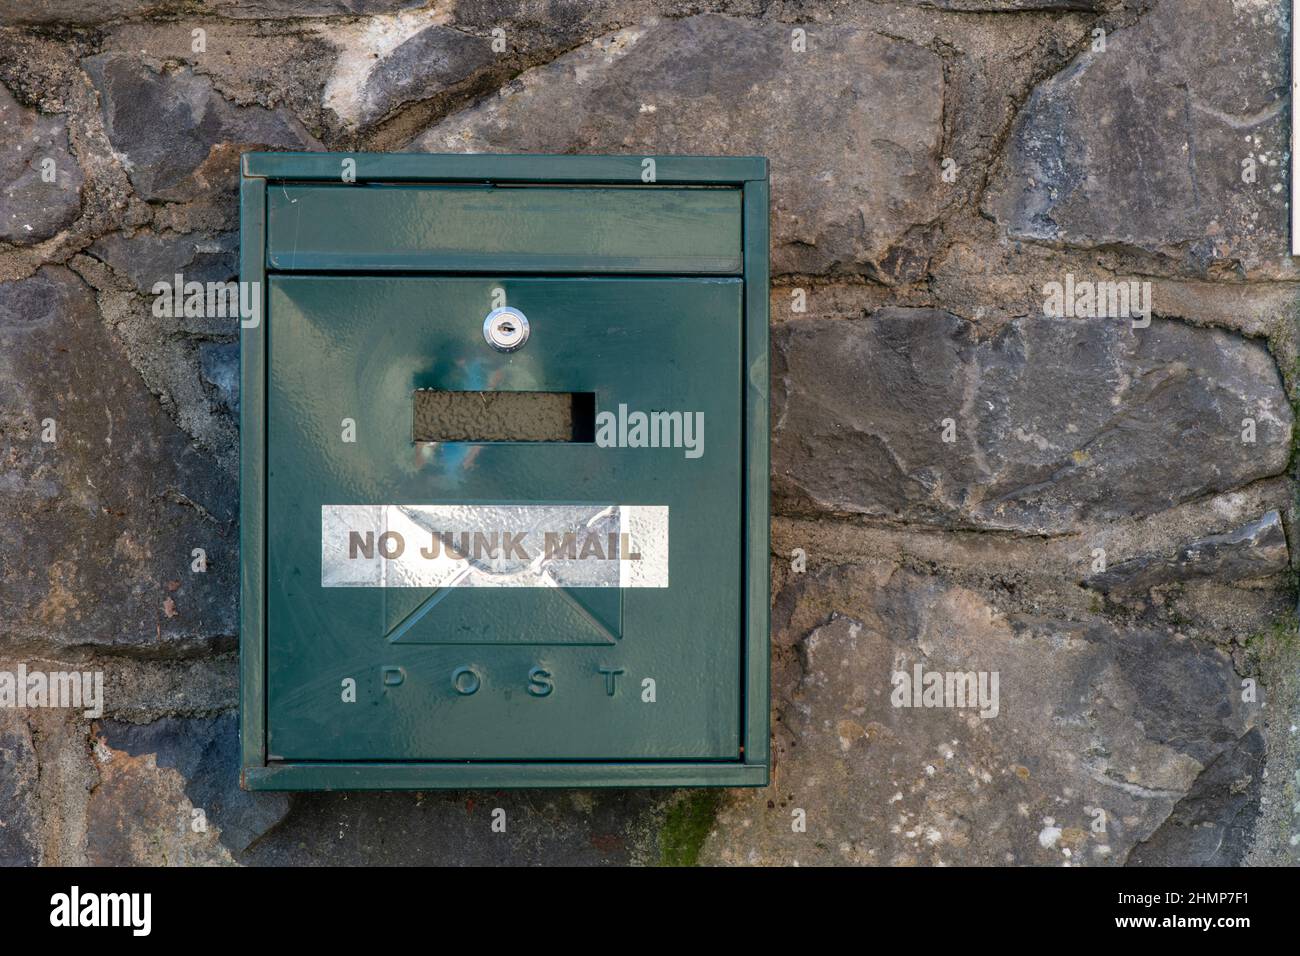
[[504, 494]]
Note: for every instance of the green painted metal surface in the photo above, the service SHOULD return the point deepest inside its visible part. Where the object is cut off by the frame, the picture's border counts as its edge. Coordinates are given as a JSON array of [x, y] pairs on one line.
[[504, 229], [343, 337], [495, 168], [357, 347]]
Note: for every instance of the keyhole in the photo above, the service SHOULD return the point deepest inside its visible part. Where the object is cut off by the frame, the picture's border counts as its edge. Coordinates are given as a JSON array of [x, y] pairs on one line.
[[505, 329]]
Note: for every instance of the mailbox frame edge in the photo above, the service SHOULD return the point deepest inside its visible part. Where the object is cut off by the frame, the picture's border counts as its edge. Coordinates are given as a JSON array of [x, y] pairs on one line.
[[752, 769]]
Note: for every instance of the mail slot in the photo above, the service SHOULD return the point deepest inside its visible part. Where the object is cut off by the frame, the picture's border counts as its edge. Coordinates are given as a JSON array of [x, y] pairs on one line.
[[504, 457]]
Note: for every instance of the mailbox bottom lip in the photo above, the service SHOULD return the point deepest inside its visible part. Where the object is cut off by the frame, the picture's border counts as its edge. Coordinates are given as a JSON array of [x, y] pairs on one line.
[[498, 776]]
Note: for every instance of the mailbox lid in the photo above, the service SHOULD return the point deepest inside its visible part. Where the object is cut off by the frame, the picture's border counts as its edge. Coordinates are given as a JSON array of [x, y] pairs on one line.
[[467, 228], [358, 347]]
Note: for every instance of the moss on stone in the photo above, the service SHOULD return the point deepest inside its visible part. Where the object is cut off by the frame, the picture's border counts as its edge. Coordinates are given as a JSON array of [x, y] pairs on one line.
[[686, 827], [1280, 643], [1292, 385], [1274, 657]]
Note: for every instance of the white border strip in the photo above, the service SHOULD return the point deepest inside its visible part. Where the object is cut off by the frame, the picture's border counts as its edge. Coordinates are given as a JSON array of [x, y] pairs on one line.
[[1295, 124]]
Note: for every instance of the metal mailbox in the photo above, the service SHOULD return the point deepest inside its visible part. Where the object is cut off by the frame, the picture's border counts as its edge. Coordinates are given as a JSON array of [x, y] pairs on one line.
[[504, 467]]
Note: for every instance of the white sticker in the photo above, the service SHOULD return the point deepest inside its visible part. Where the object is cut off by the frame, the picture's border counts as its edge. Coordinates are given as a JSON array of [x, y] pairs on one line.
[[495, 546]]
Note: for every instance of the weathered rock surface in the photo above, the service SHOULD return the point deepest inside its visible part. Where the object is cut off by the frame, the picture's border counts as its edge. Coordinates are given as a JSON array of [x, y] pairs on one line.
[[19, 808], [148, 257], [1095, 735], [169, 793], [542, 827], [105, 516], [220, 364], [104, 11], [74, 11], [178, 137], [1120, 734], [263, 9], [1146, 143], [432, 61], [1030, 574], [1252, 551], [992, 6], [1053, 421], [276, 65], [1213, 824], [36, 200], [851, 126]]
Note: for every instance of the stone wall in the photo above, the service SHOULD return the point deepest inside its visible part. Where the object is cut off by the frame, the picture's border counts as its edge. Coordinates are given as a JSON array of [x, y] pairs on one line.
[[1095, 509]]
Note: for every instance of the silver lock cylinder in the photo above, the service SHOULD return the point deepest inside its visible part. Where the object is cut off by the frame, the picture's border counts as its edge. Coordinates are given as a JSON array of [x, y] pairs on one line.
[[506, 329]]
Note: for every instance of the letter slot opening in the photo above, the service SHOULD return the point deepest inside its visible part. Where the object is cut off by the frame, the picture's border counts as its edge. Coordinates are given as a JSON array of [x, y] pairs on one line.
[[503, 416]]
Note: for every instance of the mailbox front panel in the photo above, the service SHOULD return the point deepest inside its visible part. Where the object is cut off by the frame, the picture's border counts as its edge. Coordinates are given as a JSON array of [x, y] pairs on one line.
[[444, 673], [504, 455]]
